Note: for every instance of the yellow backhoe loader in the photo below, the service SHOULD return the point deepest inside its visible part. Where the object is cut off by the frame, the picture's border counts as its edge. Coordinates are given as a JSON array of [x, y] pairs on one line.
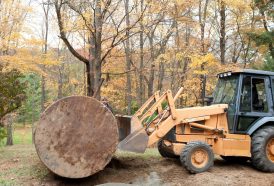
[[238, 125]]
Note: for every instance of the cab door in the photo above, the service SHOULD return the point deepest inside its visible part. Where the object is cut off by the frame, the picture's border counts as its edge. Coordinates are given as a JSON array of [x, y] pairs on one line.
[[255, 102]]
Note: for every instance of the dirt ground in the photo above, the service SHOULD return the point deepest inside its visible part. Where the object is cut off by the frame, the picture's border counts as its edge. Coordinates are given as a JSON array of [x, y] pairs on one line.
[[19, 165]]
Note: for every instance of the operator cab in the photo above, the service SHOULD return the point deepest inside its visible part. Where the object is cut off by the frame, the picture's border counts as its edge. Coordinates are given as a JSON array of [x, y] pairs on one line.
[[248, 94]]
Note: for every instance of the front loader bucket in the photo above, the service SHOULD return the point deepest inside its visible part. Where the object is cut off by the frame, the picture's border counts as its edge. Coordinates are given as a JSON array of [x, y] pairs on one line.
[[124, 126], [135, 142]]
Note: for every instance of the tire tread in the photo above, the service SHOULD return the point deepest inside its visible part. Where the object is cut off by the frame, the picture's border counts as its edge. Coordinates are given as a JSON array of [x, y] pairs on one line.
[[186, 152], [259, 159]]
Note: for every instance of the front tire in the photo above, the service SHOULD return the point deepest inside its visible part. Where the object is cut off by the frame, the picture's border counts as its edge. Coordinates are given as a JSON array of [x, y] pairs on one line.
[[197, 157], [262, 149]]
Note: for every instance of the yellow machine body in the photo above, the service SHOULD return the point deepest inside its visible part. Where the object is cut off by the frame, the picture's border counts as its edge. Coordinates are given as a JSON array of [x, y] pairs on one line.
[[209, 124]]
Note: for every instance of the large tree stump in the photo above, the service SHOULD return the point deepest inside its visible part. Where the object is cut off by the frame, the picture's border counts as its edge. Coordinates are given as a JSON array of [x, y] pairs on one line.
[[76, 137]]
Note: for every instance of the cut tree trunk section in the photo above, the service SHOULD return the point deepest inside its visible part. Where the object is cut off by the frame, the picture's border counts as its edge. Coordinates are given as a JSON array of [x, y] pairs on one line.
[[76, 137]]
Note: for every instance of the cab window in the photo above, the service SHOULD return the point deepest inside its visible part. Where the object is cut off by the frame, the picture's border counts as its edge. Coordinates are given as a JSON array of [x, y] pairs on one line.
[[253, 95], [253, 102]]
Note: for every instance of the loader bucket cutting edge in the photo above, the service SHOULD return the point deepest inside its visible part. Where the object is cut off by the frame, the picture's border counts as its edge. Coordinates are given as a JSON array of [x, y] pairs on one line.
[[135, 142]]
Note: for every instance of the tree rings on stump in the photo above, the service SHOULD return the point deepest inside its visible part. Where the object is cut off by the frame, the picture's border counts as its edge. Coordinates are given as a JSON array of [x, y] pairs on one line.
[[76, 137]]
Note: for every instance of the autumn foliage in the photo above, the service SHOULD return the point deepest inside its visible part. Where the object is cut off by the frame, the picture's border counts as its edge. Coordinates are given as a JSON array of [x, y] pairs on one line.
[[124, 51]]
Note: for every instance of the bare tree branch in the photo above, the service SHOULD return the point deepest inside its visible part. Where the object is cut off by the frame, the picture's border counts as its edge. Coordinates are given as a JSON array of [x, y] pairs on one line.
[[58, 7]]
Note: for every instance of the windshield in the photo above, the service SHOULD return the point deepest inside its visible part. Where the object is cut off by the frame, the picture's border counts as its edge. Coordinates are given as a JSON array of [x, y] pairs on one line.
[[225, 91]]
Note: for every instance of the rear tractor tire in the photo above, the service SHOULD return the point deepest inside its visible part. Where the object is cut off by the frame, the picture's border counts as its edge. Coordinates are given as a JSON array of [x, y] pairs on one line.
[[164, 153], [262, 149], [197, 157]]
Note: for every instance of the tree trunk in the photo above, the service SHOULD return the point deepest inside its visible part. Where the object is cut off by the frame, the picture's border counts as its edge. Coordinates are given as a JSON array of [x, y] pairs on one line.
[[128, 61], [60, 81], [161, 75], [46, 7], [98, 49], [32, 117], [90, 70], [202, 21], [186, 61], [141, 89], [9, 132], [222, 32], [175, 63], [172, 74], [152, 66], [89, 78], [93, 62], [43, 93], [60, 77]]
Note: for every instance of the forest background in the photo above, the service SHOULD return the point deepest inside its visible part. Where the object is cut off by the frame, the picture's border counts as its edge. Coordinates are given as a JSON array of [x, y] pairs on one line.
[[123, 51]]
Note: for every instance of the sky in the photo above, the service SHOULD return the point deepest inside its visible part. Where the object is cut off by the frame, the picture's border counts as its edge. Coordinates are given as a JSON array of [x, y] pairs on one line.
[[35, 21]]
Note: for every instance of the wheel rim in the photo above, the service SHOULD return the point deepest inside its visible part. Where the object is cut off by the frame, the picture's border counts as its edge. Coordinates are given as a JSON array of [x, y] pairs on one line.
[[270, 150], [199, 158]]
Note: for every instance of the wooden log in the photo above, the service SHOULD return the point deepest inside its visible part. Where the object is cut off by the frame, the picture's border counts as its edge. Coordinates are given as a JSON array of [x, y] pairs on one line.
[[76, 137]]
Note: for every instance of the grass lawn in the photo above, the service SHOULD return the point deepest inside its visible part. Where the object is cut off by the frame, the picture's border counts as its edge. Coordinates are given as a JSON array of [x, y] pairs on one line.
[[20, 162], [150, 153], [20, 165]]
